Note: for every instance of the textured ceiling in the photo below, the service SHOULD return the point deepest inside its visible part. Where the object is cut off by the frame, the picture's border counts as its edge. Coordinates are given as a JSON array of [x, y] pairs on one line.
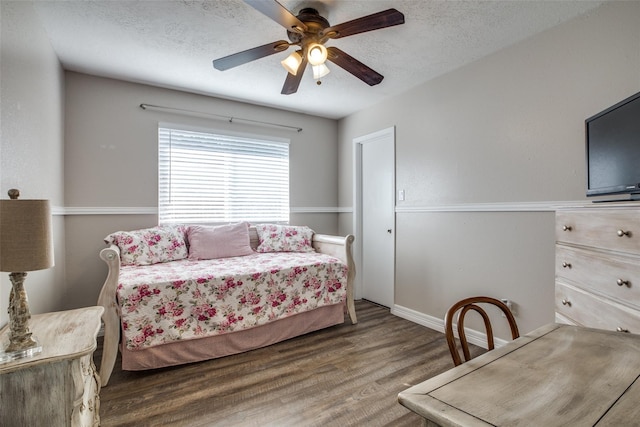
[[172, 43]]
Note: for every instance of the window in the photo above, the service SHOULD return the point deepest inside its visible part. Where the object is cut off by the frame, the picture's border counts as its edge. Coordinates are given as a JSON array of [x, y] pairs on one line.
[[214, 178]]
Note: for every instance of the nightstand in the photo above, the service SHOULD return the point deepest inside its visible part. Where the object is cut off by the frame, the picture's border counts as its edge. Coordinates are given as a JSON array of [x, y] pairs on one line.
[[59, 386]]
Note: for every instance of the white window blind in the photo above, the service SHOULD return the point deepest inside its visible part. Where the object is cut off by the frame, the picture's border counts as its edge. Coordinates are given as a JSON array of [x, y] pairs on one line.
[[211, 178]]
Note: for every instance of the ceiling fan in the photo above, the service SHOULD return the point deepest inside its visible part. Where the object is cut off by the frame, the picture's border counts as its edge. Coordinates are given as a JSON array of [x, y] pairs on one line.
[[310, 31]]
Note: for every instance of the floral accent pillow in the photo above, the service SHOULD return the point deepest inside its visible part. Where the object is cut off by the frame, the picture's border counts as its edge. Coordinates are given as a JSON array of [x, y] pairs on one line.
[[284, 238], [222, 241], [150, 245]]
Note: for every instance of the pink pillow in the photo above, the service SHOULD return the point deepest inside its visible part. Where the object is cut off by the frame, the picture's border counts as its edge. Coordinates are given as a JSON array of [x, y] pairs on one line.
[[223, 241], [284, 238]]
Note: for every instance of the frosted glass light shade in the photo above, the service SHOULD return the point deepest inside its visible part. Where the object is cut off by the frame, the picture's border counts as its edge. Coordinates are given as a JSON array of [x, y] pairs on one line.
[[292, 63], [320, 71], [317, 54]]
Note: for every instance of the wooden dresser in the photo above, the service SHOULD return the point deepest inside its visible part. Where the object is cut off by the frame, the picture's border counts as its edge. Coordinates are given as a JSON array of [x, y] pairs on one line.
[[59, 386], [598, 267]]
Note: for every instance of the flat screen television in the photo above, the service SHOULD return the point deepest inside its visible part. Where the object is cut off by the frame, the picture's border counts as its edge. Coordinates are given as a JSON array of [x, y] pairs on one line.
[[613, 150]]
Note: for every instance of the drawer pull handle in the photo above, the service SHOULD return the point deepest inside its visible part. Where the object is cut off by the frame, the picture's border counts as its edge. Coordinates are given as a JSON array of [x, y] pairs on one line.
[[621, 282], [566, 228], [624, 233], [619, 329], [566, 302], [566, 264]]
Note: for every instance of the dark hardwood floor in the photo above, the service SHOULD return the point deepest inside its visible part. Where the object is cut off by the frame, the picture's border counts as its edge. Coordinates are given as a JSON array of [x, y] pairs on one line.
[[346, 375]]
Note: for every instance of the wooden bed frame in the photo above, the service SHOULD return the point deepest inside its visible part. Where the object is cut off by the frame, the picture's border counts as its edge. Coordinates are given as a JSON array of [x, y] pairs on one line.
[[226, 344]]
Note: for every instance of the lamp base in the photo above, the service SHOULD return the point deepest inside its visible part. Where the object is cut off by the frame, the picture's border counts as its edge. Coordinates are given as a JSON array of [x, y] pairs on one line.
[[21, 342], [8, 355]]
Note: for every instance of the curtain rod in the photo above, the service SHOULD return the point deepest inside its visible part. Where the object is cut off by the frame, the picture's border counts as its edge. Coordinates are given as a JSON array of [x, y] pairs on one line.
[[230, 119]]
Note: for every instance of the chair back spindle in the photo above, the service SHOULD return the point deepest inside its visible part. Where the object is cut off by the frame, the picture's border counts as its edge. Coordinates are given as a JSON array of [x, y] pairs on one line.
[[471, 304]]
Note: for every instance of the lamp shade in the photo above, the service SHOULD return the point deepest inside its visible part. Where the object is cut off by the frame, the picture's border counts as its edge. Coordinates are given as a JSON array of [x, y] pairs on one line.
[[317, 54], [320, 71], [26, 242], [292, 63]]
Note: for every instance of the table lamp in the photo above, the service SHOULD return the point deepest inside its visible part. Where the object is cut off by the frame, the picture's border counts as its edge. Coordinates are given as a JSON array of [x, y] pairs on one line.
[[26, 245]]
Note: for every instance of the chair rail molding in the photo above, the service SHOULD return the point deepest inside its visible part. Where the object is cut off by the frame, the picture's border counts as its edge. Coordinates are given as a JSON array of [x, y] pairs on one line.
[[153, 210], [550, 206], [493, 207]]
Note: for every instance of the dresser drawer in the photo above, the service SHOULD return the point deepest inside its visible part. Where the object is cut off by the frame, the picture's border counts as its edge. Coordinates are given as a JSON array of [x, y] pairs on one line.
[[617, 230], [616, 276], [592, 311]]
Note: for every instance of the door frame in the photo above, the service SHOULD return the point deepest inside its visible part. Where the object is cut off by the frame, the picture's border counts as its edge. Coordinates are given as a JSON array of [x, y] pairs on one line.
[[357, 201]]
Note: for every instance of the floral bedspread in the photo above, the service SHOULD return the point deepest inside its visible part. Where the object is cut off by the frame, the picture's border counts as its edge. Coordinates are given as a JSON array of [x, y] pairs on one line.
[[186, 299]]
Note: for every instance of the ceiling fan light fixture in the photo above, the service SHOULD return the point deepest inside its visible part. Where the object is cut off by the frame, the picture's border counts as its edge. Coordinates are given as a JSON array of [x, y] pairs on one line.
[[309, 31], [320, 71], [317, 54], [292, 63]]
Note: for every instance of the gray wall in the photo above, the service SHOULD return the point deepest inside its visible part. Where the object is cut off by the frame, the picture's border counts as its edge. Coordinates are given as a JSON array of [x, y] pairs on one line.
[[84, 143], [31, 139], [486, 152], [111, 165]]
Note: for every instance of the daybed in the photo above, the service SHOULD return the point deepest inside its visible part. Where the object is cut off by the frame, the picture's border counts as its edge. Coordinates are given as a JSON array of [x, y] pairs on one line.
[[181, 294]]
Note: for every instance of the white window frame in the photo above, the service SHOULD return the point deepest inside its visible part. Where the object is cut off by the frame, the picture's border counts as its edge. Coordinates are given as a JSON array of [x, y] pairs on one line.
[[208, 176]]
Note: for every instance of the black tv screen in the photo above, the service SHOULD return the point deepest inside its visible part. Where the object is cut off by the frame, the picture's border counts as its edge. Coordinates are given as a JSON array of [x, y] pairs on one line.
[[613, 150]]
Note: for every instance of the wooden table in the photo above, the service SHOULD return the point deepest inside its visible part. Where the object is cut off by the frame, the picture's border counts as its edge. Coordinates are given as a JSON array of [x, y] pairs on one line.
[[59, 386], [558, 375]]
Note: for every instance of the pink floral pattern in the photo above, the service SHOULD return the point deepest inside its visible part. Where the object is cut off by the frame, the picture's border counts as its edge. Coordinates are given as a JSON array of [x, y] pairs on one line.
[[150, 245], [189, 299], [284, 238]]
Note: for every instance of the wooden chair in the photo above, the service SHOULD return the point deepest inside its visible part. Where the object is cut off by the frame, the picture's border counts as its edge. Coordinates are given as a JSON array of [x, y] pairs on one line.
[[471, 304]]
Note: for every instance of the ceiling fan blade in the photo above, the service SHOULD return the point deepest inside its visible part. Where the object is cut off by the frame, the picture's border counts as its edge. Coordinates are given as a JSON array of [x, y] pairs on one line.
[[278, 13], [249, 55], [292, 81], [386, 18], [355, 67]]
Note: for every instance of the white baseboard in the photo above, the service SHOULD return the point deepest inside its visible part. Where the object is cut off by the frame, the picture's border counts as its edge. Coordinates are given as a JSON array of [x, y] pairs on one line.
[[419, 318], [473, 336]]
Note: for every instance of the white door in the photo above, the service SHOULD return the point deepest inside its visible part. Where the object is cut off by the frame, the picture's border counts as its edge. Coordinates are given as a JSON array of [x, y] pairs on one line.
[[378, 213]]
